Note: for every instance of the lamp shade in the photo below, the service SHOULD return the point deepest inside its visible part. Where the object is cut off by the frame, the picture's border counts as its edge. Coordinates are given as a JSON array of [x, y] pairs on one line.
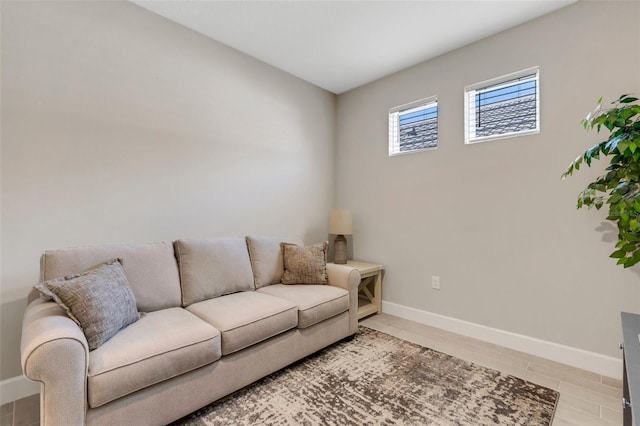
[[340, 222]]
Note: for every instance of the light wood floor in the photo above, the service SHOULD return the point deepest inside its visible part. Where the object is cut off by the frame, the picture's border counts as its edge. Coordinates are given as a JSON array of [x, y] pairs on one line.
[[585, 398]]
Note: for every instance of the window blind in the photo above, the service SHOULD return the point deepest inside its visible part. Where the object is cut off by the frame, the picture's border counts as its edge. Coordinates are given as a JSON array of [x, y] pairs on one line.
[[503, 107], [413, 126]]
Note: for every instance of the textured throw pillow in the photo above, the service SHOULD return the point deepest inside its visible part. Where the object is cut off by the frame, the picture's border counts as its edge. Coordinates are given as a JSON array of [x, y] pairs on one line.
[[98, 300], [305, 265]]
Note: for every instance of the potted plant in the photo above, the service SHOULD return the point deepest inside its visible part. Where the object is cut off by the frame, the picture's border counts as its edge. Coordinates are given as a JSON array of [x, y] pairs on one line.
[[619, 188]]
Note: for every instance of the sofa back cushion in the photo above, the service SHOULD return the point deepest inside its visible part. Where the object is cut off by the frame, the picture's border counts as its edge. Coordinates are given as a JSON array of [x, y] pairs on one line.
[[212, 267], [151, 270], [266, 259]]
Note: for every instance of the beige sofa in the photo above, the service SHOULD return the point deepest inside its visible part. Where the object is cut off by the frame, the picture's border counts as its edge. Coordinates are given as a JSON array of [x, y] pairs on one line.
[[216, 319]]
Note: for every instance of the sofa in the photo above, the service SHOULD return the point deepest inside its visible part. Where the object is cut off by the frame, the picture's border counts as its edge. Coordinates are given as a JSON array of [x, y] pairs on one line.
[[212, 317]]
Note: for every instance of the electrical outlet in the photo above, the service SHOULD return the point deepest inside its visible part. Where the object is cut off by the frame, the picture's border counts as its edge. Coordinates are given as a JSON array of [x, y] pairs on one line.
[[435, 283]]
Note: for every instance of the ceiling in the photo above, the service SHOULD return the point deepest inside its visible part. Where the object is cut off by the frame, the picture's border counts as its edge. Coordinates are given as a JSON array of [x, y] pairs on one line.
[[340, 45]]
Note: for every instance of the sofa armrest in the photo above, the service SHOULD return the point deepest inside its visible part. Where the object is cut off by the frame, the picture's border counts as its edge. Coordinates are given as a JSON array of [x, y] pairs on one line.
[[54, 352], [347, 277]]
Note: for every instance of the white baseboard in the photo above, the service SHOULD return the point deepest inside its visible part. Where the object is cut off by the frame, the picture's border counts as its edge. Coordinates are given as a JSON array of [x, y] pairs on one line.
[[590, 361], [16, 388]]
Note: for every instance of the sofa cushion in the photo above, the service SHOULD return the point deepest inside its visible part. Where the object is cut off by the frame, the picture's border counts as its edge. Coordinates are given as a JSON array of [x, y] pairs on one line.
[[266, 259], [246, 318], [212, 267], [315, 303], [161, 345], [98, 300], [151, 270], [304, 265]]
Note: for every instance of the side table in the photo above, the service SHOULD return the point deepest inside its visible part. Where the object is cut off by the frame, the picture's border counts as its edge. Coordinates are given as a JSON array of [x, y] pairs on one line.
[[370, 288]]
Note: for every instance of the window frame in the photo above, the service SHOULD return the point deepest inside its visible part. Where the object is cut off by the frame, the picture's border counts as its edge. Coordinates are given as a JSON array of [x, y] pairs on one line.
[[394, 129], [469, 105]]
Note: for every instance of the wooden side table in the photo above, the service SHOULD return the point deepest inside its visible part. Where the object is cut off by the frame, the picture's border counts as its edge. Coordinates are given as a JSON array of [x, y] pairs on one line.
[[370, 288]]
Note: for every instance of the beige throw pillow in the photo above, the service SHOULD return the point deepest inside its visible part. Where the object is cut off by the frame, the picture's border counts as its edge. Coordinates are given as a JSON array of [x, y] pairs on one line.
[[98, 300], [305, 265]]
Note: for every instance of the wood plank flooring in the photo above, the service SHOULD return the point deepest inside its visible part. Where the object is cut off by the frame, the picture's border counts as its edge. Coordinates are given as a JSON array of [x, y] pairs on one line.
[[586, 398]]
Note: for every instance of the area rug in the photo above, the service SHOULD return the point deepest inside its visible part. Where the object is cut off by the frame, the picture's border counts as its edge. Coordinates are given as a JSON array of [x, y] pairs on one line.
[[378, 379]]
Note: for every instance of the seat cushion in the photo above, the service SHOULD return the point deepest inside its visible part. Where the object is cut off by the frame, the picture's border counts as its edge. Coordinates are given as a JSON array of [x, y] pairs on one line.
[[160, 345], [315, 302], [246, 318], [151, 270], [212, 267]]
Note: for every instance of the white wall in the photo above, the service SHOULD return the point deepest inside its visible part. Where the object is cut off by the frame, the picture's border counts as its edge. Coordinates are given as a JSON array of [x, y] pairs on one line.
[[494, 220], [119, 126]]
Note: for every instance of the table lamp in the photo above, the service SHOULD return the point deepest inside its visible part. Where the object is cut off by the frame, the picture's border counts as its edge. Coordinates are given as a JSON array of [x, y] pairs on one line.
[[340, 224]]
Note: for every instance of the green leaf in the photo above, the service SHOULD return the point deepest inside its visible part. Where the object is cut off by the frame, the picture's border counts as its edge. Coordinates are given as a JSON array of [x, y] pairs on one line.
[[618, 254], [612, 144], [613, 199], [633, 260], [623, 145], [626, 100], [569, 171], [627, 113], [622, 187], [612, 116]]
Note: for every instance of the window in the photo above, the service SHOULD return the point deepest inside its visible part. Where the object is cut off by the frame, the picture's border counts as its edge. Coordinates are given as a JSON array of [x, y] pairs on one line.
[[414, 126], [503, 107]]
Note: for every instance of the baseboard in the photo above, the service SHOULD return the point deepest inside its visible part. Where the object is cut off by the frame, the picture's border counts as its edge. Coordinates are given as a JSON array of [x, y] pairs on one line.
[[16, 388], [590, 361]]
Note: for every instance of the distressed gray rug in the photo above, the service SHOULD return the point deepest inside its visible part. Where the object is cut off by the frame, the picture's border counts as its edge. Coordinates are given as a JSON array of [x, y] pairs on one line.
[[377, 379]]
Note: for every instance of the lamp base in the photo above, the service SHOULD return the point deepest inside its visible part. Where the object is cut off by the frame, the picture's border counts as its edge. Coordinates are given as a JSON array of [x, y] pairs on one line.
[[340, 250]]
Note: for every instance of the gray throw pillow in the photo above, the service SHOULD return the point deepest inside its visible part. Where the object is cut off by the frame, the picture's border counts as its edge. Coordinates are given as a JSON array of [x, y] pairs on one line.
[[99, 300], [305, 265]]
